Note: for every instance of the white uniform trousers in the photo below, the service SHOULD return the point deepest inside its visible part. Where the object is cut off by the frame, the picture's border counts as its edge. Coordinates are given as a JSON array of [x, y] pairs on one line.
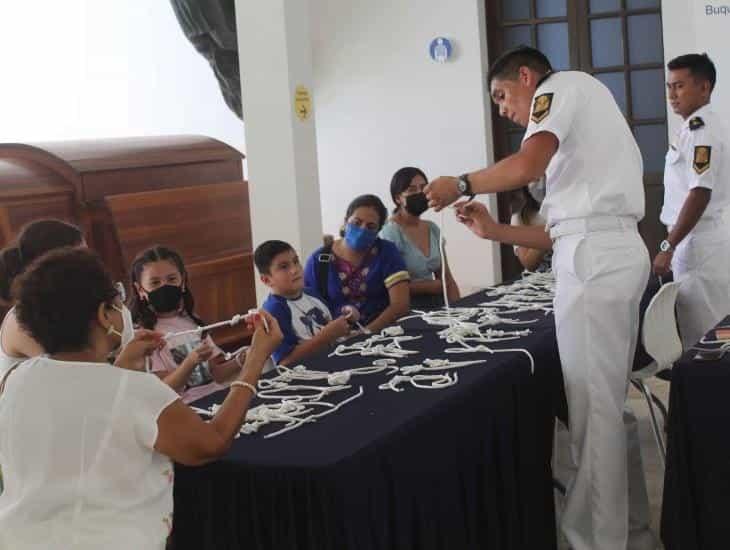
[[600, 279], [564, 469], [701, 264]]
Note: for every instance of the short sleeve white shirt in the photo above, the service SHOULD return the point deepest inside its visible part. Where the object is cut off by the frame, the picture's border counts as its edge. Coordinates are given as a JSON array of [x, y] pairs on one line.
[[697, 157], [79, 466], [597, 169]]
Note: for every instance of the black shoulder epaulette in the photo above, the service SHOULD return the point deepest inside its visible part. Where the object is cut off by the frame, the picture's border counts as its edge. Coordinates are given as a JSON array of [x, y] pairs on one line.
[[696, 123]]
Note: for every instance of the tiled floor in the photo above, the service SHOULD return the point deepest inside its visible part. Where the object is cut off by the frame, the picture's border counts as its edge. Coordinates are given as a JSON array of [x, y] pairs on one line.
[[650, 455], [652, 463]]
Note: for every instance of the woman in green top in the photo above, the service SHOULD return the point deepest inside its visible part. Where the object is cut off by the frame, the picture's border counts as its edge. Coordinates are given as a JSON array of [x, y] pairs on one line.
[[417, 240]]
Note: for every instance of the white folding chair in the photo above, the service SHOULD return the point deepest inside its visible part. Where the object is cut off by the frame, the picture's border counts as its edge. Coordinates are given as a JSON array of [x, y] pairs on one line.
[[660, 337]]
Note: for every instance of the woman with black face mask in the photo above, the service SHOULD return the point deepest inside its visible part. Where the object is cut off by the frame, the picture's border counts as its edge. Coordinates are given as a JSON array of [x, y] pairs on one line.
[[417, 240], [161, 300]]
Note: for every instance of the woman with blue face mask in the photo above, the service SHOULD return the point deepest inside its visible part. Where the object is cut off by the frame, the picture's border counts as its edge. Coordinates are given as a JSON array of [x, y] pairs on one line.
[[360, 269]]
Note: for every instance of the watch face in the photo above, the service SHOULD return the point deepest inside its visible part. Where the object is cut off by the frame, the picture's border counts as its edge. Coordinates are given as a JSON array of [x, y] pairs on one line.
[[461, 185], [665, 246]]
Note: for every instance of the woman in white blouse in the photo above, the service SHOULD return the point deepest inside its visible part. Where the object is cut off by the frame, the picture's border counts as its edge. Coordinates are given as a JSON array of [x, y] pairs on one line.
[[86, 447]]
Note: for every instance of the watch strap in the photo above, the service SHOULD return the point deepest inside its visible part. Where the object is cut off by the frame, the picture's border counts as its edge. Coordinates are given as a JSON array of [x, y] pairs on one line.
[[467, 187]]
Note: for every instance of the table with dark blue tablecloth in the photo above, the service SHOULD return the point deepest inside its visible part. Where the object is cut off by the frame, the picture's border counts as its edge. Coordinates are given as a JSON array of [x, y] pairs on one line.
[[695, 512], [459, 468]]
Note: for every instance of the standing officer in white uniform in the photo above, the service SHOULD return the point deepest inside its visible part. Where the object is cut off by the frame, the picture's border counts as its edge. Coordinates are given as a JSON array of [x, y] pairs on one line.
[[696, 193], [577, 136]]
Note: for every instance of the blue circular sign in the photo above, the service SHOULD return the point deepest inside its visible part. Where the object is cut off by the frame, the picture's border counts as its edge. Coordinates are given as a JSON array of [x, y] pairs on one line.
[[440, 49]]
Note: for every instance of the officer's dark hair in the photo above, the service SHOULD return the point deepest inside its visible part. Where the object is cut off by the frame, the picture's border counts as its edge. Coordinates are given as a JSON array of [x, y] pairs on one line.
[[507, 65], [265, 253], [700, 67]]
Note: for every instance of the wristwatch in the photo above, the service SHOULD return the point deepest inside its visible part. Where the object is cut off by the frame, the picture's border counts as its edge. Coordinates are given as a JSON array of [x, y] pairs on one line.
[[666, 246], [464, 185]]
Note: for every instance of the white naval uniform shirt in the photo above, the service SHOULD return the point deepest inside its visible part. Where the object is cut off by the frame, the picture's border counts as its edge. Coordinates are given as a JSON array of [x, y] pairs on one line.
[[597, 169], [697, 157]]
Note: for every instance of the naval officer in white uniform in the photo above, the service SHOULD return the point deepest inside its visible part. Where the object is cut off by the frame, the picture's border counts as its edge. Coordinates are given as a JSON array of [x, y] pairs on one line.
[[696, 194], [577, 136]]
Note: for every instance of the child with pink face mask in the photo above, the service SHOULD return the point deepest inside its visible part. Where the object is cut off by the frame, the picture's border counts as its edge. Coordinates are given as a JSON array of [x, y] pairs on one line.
[[191, 364]]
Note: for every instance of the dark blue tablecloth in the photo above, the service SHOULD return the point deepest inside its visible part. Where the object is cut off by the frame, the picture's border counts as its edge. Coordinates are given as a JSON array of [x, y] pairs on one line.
[[459, 468], [697, 478]]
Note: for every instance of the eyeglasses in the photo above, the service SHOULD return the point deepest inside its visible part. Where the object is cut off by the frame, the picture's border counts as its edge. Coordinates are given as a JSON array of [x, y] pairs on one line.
[[121, 291]]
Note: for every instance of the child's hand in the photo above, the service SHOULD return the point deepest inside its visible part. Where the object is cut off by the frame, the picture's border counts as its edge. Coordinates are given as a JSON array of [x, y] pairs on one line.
[[337, 328], [141, 346], [253, 316], [202, 353], [351, 313], [266, 337]]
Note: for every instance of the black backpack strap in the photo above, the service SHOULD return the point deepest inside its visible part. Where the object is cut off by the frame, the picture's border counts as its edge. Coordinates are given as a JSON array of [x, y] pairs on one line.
[[5, 378], [324, 259]]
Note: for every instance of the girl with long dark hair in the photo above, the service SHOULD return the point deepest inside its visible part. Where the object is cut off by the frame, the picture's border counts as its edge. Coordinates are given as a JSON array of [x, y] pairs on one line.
[[162, 301]]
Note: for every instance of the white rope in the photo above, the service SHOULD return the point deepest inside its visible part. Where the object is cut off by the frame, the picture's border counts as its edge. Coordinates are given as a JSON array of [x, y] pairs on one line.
[[473, 332], [438, 381], [443, 263], [534, 292], [228, 356], [230, 322], [301, 373], [385, 344], [278, 391], [315, 417], [481, 348], [542, 281], [294, 412], [430, 365]]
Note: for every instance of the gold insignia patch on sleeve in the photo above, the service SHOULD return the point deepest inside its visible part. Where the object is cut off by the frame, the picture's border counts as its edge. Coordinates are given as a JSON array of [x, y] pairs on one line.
[[696, 123], [701, 162], [541, 107]]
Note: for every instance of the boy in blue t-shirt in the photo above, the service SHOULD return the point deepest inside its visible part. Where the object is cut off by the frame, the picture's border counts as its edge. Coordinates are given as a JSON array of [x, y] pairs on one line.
[[305, 320]]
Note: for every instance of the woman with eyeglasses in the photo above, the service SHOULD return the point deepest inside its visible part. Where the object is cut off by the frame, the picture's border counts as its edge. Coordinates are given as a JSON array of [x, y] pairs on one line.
[[86, 447], [360, 269]]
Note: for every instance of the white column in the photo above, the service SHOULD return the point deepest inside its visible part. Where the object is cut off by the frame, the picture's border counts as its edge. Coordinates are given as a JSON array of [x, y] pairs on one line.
[[275, 57]]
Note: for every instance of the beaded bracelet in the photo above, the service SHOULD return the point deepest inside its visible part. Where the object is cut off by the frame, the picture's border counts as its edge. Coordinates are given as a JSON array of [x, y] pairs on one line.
[[243, 384]]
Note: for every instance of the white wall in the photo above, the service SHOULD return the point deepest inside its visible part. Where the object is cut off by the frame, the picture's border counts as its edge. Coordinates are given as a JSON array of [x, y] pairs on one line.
[[104, 68], [381, 104]]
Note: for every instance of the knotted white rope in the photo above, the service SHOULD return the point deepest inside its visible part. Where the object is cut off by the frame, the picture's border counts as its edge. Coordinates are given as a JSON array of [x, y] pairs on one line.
[[230, 322], [437, 381], [294, 411], [385, 344], [230, 355]]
